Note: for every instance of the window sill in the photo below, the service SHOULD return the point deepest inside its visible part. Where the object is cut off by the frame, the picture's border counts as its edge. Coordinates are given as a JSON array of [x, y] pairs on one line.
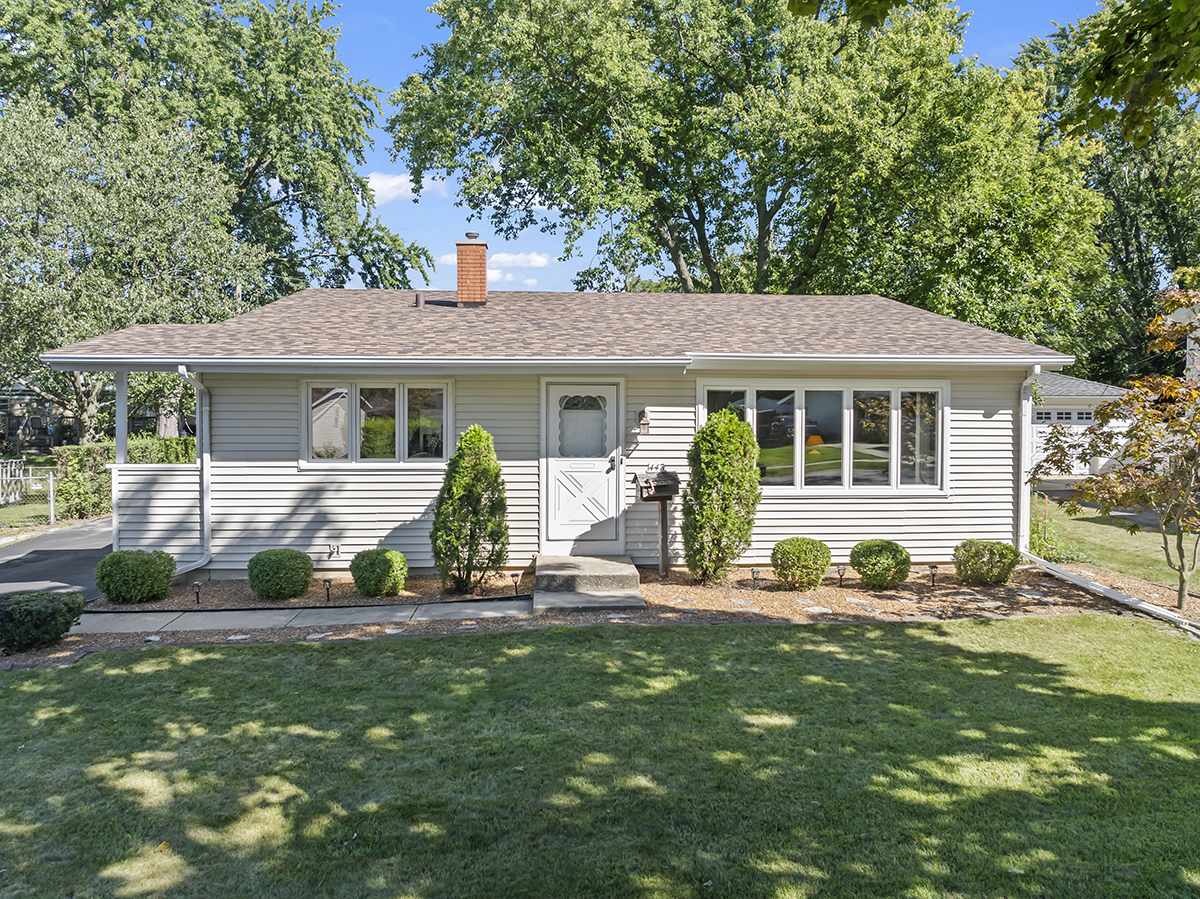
[[369, 466]]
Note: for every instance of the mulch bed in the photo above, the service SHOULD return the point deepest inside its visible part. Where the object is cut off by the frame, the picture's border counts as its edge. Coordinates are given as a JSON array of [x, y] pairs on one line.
[[678, 599]]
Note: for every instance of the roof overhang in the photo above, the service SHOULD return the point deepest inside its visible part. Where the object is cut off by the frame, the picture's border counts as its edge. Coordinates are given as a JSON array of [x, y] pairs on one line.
[[448, 365]]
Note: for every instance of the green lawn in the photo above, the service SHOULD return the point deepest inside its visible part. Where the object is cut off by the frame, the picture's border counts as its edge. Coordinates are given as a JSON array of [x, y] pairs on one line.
[[1104, 542], [24, 515], [1051, 756]]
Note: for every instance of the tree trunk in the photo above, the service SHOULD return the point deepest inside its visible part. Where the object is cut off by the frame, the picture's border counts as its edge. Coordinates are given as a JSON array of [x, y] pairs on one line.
[[167, 424]]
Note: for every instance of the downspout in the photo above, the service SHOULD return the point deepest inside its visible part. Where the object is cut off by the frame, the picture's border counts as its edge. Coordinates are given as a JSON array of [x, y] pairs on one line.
[[203, 451], [1026, 460]]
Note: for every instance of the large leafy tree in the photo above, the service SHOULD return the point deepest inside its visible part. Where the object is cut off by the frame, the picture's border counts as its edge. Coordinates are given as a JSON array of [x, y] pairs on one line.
[[1151, 225], [103, 226], [733, 147], [1142, 56], [272, 103]]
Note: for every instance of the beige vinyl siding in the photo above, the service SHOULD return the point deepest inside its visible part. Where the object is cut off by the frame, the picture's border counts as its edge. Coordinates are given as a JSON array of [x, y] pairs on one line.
[[980, 501], [159, 508], [262, 498]]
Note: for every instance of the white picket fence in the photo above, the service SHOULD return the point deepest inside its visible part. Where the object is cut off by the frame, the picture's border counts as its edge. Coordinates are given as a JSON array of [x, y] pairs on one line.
[[12, 481], [30, 486]]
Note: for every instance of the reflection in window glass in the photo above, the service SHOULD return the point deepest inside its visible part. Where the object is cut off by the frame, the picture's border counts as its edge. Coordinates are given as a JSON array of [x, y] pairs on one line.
[[727, 399], [823, 438], [872, 435], [775, 424], [583, 427], [330, 408], [377, 417], [426, 423], [918, 437]]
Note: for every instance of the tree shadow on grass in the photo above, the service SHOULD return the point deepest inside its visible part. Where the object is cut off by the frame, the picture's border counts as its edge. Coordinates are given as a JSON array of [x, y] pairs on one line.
[[960, 760]]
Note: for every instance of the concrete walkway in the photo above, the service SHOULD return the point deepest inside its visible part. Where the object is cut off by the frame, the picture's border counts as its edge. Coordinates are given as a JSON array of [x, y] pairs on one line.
[[216, 620]]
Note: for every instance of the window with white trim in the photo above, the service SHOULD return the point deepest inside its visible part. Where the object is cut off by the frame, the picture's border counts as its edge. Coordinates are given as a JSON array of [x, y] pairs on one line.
[[376, 422], [1062, 416], [842, 437]]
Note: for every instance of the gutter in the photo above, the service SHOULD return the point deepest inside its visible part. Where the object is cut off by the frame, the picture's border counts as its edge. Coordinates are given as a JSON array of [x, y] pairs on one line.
[[1124, 599], [203, 456], [1025, 460], [453, 364]]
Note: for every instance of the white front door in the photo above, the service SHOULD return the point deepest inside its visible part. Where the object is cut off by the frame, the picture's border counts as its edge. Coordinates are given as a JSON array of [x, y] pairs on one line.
[[582, 446]]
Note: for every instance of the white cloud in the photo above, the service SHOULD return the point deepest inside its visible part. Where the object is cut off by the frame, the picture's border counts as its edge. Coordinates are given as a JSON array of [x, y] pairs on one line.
[[448, 259], [508, 277], [494, 274], [521, 260], [530, 282], [388, 187]]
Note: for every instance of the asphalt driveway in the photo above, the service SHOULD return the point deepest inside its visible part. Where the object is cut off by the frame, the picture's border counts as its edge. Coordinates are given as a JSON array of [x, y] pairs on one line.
[[64, 559]]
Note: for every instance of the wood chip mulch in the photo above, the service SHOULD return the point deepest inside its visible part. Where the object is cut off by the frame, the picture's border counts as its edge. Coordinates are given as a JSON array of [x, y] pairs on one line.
[[678, 599]]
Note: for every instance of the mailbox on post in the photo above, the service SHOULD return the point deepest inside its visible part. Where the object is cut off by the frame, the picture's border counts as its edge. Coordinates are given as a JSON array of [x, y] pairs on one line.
[[658, 487]]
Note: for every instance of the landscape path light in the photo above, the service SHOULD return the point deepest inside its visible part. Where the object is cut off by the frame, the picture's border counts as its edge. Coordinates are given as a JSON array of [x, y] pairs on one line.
[[328, 582]]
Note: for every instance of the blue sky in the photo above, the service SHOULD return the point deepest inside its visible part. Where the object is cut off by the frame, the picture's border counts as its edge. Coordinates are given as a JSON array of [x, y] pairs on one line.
[[379, 40]]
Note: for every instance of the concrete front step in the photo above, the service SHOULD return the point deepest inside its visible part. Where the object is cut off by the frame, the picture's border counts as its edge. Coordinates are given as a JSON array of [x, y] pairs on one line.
[[584, 574], [593, 601]]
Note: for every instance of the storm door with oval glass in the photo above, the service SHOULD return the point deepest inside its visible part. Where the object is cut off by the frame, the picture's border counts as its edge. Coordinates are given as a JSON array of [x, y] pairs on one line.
[[583, 468]]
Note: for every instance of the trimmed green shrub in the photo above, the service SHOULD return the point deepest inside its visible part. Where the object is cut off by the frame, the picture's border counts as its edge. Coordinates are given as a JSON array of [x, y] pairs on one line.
[[379, 572], [800, 562], [134, 576], [84, 488], [470, 519], [722, 495], [30, 620], [279, 574], [985, 562], [880, 563]]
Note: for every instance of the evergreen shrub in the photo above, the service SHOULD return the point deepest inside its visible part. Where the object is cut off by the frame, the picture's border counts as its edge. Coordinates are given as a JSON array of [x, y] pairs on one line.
[[800, 563], [84, 488], [30, 620], [470, 519], [985, 562], [722, 495], [880, 563], [379, 572], [135, 576], [279, 574]]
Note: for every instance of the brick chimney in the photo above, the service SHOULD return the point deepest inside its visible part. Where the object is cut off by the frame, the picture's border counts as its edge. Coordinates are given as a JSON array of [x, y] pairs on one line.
[[472, 271]]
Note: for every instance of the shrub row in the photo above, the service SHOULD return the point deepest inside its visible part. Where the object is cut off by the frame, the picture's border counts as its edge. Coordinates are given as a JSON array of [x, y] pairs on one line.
[[85, 483], [800, 562]]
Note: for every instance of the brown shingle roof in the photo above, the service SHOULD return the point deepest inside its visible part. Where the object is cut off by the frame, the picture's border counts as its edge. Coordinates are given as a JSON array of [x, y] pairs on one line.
[[385, 324]]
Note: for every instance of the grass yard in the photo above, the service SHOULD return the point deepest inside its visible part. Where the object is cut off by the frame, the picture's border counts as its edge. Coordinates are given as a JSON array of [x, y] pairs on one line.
[[1105, 543], [24, 515], [1046, 756]]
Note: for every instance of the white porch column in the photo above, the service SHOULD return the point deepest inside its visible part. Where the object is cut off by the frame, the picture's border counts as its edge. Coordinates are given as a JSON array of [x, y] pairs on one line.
[[122, 413]]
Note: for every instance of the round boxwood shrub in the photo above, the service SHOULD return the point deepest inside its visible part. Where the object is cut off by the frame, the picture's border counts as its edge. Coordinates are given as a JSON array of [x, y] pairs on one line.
[[279, 574], [134, 576], [379, 572], [985, 562], [800, 562], [30, 620], [880, 563]]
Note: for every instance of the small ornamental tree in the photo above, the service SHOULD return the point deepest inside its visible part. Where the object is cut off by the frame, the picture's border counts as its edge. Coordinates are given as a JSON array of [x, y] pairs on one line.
[[470, 520], [722, 495], [1152, 436]]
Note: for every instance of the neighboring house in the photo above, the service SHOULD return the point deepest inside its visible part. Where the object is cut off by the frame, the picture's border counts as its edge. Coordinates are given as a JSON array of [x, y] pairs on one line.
[[327, 417], [1069, 402]]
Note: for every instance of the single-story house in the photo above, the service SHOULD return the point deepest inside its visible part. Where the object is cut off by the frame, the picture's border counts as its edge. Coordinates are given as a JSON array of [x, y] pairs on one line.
[[326, 419], [1070, 402]]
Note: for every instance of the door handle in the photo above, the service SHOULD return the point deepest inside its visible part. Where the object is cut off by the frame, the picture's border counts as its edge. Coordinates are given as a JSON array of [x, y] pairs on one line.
[[612, 464]]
